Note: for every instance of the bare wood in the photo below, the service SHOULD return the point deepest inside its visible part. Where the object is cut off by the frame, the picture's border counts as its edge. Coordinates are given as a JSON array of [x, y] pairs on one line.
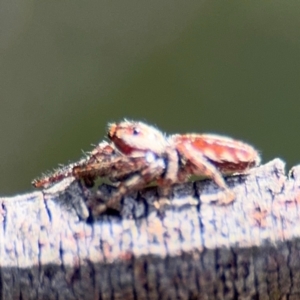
[[194, 249]]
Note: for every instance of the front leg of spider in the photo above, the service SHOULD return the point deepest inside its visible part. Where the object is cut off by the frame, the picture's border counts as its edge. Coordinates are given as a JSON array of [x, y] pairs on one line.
[[143, 174], [201, 166], [82, 169], [117, 169]]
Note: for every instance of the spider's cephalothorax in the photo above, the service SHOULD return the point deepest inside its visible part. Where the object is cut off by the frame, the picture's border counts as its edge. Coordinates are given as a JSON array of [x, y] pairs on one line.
[[139, 154], [137, 139]]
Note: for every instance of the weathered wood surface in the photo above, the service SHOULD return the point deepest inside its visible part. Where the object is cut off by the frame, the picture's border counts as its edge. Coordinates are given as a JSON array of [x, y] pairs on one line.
[[193, 250]]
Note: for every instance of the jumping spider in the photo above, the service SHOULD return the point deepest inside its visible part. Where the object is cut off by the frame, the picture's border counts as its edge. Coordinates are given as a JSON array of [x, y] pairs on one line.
[[139, 154]]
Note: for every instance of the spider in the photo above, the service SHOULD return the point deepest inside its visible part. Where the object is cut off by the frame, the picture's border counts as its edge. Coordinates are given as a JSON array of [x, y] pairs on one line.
[[140, 154]]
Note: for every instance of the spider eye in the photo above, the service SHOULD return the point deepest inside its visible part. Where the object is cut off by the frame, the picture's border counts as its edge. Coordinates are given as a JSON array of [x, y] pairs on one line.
[[135, 131]]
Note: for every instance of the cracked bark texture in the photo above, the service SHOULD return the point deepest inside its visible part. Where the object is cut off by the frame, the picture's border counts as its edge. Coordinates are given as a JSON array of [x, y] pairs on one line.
[[194, 249]]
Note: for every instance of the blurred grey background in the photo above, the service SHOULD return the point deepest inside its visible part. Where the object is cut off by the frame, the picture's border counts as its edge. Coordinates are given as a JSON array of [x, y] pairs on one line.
[[69, 67]]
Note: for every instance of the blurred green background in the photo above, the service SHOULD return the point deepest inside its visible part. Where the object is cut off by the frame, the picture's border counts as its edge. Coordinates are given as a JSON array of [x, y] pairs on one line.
[[69, 67]]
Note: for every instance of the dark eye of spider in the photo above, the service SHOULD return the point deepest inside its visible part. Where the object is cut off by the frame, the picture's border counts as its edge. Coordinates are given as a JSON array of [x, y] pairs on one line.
[[135, 131]]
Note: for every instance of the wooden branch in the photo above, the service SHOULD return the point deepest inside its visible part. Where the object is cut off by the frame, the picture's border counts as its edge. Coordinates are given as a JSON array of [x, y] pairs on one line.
[[195, 249]]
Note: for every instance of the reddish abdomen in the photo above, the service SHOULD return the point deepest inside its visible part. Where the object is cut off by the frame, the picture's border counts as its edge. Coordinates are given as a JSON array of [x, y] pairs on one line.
[[227, 154]]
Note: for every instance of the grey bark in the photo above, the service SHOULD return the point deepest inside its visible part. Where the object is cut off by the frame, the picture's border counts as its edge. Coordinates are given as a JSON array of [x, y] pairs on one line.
[[193, 249]]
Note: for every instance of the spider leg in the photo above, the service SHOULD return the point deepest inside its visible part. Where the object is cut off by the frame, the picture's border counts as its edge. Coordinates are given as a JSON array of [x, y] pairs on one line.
[[200, 166], [146, 173], [172, 168], [101, 153], [98, 163], [171, 176], [116, 168], [88, 170]]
